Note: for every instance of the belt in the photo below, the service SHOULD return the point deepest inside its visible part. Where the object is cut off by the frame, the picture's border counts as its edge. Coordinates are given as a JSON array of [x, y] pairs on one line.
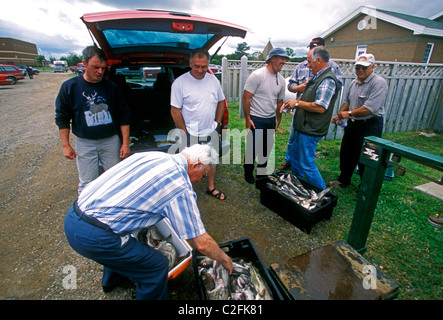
[[372, 120], [87, 218]]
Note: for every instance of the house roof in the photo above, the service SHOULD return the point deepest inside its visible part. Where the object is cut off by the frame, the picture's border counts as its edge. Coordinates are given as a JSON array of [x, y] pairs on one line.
[[419, 25], [437, 15]]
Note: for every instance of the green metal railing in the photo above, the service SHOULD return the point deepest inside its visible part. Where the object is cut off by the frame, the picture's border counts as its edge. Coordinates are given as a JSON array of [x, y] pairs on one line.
[[377, 154]]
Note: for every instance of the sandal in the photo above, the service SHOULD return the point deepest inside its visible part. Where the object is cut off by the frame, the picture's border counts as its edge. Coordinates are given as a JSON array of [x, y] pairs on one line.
[[218, 195]]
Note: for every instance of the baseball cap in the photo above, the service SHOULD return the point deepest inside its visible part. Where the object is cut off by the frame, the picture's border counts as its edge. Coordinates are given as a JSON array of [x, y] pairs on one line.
[[316, 42], [277, 52], [365, 60]]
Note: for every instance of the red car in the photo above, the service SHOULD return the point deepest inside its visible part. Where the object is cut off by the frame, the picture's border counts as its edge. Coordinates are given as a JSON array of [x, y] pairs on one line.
[[3, 79], [137, 42], [12, 73]]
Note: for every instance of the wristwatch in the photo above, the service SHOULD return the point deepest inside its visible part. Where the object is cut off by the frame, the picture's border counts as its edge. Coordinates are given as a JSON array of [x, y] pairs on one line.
[[296, 104], [349, 112]]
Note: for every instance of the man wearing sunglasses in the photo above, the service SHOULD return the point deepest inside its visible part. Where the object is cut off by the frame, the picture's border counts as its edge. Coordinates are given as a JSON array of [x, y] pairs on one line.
[[364, 108]]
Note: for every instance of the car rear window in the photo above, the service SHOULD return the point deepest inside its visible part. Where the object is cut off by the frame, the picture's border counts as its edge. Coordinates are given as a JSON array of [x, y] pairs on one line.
[[137, 38], [9, 69]]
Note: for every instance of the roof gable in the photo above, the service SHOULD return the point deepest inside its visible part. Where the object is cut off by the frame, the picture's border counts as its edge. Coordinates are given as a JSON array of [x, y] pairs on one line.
[[419, 26]]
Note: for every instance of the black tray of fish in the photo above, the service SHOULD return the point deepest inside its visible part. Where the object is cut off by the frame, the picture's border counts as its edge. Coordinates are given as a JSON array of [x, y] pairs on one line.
[[297, 201], [250, 280]]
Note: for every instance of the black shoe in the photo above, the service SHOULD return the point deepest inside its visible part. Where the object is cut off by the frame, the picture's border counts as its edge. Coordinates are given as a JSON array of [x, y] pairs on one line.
[[107, 289], [337, 184], [284, 166], [249, 177]]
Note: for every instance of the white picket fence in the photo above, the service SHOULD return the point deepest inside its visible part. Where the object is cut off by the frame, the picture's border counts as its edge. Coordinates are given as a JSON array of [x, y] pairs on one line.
[[414, 100]]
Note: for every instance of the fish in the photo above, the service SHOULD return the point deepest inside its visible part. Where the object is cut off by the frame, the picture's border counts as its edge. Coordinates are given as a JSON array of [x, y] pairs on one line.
[[260, 285], [207, 279], [290, 187], [168, 250], [153, 236], [206, 262], [244, 283]]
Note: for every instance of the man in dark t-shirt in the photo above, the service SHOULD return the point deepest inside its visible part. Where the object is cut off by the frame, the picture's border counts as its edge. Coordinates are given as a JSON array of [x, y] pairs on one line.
[[98, 113]]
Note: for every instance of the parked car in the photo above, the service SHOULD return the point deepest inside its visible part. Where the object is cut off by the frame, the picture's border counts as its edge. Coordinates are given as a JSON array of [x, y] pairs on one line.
[[4, 80], [77, 66], [215, 68], [12, 73], [159, 43], [60, 68], [22, 68]]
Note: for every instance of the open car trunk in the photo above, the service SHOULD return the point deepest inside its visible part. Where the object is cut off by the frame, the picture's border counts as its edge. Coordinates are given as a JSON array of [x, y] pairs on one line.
[[147, 50]]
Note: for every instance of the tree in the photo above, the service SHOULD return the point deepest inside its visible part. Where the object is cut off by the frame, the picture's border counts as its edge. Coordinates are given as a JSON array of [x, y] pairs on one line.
[[40, 58], [239, 52]]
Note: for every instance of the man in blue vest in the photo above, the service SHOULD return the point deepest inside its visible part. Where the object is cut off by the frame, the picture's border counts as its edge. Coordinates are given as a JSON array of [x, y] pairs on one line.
[[313, 112]]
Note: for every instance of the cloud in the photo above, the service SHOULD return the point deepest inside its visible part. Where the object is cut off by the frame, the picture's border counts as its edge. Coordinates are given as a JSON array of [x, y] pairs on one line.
[[55, 25]]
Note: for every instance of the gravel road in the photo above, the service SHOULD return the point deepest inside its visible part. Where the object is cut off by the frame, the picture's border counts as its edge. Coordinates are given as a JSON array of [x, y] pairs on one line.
[[38, 185]]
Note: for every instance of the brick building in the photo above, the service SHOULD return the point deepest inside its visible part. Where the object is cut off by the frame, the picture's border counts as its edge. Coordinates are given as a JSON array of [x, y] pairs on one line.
[[390, 36], [13, 51]]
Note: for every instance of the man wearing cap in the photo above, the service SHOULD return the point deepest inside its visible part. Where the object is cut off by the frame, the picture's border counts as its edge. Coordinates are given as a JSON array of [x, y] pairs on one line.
[[297, 84], [364, 108], [313, 111], [263, 96]]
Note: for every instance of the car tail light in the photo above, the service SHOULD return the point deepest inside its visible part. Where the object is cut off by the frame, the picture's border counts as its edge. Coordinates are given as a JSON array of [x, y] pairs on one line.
[[181, 26]]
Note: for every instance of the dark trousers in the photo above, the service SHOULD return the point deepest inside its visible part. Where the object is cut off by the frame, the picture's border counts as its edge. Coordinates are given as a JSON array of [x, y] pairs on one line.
[[259, 144], [121, 257], [352, 144]]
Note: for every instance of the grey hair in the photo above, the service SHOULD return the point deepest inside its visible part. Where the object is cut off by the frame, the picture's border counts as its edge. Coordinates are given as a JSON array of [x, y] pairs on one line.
[[320, 52], [201, 153], [200, 53], [92, 51]]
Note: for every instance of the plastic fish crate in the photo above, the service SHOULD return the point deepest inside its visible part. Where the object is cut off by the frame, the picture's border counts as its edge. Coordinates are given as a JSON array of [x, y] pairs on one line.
[[293, 212], [240, 248]]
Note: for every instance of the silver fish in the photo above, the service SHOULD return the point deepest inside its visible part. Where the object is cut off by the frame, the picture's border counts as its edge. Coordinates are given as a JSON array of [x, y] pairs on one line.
[[153, 236], [168, 250], [260, 285], [208, 280]]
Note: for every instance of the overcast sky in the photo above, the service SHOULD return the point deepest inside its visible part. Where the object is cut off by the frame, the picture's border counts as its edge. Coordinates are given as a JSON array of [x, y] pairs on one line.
[[55, 25]]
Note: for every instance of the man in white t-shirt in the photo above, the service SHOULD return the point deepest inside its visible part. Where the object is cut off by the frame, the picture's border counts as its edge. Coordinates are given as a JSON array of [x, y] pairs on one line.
[[197, 107], [263, 96]]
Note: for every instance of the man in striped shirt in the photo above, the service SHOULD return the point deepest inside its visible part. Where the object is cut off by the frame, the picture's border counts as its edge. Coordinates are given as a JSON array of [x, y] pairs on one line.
[[137, 193]]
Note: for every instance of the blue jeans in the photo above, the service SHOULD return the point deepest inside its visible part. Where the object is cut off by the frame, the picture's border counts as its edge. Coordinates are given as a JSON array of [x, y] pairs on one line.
[[91, 154], [302, 155], [259, 145], [290, 140], [121, 256]]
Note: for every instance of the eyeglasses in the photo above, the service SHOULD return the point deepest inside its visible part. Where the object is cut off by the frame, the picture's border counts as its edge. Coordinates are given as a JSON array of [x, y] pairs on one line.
[[360, 67]]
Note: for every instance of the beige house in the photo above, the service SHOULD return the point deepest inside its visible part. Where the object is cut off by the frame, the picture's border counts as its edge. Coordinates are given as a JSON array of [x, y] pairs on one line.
[[390, 36]]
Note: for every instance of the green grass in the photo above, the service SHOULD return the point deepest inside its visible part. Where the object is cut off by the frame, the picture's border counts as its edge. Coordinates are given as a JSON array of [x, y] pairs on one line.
[[401, 243]]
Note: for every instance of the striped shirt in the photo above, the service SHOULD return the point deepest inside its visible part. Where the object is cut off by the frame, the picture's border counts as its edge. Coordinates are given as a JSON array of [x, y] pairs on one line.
[[303, 73], [325, 91], [140, 191]]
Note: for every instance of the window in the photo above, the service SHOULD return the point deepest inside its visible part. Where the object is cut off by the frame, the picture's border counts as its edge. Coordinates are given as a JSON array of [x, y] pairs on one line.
[[428, 52], [360, 50], [140, 38]]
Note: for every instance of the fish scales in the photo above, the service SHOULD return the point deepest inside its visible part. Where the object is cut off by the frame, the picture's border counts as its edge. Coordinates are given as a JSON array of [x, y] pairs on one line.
[[244, 283]]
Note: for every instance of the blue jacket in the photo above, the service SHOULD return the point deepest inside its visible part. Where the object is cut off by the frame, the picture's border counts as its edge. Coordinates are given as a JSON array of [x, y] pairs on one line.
[[96, 110]]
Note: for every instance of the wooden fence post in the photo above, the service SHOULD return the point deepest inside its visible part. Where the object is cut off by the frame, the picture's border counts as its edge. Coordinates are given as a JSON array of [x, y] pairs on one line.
[[243, 76]]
